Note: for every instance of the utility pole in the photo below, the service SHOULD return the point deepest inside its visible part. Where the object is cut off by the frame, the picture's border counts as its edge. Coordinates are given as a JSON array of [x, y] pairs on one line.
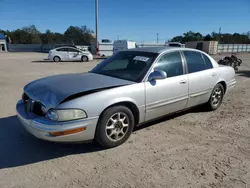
[[220, 34], [157, 37], [96, 24]]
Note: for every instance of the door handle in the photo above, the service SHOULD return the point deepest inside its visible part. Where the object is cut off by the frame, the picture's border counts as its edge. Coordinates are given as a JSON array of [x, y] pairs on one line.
[[183, 81]]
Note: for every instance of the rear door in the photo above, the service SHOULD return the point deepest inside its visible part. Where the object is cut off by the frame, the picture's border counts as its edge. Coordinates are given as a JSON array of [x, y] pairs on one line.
[[62, 53], [201, 75]]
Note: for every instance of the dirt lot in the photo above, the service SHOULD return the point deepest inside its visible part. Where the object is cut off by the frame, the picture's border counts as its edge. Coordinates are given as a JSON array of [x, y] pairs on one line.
[[191, 149]]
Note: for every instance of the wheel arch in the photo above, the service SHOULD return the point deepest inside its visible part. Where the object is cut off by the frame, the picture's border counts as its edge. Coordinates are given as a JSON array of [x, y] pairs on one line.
[[57, 56], [130, 105], [224, 84], [83, 55]]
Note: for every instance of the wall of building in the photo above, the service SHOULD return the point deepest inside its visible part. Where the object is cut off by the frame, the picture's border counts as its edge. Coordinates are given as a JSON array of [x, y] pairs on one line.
[[3, 46], [229, 48], [209, 47], [33, 47]]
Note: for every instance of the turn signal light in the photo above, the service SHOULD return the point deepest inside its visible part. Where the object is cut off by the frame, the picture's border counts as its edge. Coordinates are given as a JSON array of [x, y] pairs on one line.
[[63, 133]]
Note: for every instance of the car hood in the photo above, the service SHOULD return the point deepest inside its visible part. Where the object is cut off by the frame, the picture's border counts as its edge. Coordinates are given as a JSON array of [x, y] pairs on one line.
[[53, 90]]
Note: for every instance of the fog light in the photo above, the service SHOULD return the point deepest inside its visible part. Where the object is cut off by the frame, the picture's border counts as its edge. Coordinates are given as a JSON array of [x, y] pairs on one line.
[[63, 133]]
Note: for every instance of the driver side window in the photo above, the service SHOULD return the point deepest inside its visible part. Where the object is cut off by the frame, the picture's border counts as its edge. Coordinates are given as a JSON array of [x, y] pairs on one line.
[[171, 63]]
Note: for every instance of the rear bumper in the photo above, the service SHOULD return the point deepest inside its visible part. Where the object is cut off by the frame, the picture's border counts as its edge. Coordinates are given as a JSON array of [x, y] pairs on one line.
[[40, 127]]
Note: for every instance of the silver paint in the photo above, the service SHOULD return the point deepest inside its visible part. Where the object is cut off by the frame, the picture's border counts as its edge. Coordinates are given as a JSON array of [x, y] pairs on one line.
[[152, 98]]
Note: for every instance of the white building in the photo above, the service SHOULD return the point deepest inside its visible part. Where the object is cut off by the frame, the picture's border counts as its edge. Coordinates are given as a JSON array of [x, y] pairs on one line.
[[3, 45]]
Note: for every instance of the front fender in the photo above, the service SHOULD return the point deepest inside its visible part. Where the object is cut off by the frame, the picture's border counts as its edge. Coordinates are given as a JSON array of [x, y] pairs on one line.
[[94, 104]]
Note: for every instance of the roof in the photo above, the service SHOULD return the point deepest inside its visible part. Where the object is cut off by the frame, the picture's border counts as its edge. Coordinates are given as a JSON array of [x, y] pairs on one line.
[[161, 49], [2, 36], [150, 49]]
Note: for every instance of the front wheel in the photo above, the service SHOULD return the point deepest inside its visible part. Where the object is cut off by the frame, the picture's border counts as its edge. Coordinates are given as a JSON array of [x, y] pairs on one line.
[[115, 126], [84, 59], [216, 97]]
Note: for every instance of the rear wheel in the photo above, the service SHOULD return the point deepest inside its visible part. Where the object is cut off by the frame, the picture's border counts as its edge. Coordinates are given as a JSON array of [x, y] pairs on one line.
[[115, 126], [84, 59], [216, 97], [57, 59]]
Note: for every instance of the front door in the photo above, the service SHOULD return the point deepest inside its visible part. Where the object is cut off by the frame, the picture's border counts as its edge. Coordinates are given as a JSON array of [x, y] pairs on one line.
[[63, 54], [170, 94], [74, 54]]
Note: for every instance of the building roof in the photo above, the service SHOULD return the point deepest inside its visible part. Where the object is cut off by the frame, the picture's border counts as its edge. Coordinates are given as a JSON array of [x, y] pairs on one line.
[[2, 36]]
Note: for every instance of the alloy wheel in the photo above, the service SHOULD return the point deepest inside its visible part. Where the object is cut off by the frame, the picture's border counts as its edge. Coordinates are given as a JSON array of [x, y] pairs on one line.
[[117, 126], [217, 96]]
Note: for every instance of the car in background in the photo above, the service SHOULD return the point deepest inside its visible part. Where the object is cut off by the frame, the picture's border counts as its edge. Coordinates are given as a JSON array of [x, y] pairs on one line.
[[132, 87], [68, 53], [175, 44]]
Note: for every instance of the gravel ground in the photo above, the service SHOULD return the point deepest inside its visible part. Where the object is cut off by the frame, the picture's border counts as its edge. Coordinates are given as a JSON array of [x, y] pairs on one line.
[[191, 149]]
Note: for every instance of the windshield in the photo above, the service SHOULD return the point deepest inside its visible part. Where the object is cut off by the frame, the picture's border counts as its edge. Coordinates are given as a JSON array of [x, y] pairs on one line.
[[128, 65]]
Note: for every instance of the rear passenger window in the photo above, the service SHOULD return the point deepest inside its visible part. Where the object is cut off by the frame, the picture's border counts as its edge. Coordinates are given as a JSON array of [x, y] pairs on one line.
[[195, 62], [72, 50], [208, 62], [62, 50], [171, 63]]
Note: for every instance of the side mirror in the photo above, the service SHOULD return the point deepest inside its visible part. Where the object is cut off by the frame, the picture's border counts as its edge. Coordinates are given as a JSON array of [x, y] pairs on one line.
[[157, 75]]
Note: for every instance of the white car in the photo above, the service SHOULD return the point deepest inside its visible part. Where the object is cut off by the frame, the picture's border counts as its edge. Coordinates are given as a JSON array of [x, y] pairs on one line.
[[69, 54]]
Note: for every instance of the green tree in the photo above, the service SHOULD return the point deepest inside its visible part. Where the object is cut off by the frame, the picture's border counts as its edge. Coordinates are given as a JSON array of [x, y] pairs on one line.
[[177, 39], [78, 35], [208, 38]]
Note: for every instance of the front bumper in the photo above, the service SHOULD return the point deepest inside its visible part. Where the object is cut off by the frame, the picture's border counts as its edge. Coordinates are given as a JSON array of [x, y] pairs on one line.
[[90, 57], [40, 126]]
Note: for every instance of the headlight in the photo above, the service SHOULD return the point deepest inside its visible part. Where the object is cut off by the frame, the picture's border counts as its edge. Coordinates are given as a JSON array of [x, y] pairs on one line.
[[66, 115]]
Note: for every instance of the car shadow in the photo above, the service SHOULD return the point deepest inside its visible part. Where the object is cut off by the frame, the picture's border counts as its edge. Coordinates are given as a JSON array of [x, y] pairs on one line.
[[19, 148], [42, 61], [48, 61], [244, 73]]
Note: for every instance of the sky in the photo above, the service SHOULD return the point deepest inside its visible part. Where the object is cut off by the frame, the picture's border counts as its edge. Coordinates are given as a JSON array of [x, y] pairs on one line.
[[138, 20]]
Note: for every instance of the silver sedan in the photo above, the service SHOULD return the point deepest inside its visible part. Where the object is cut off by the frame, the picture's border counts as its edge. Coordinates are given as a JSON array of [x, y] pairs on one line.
[[131, 87]]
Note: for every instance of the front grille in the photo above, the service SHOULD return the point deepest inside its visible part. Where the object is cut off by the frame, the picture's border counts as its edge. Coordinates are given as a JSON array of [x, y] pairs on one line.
[[32, 106], [37, 109], [25, 97]]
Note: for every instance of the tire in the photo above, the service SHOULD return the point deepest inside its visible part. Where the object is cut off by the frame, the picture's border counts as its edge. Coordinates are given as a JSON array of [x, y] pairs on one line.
[[216, 97], [84, 58], [57, 59], [110, 132], [239, 61]]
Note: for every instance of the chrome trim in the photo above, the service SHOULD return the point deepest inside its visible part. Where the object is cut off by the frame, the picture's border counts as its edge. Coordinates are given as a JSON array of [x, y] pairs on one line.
[[200, 93], [158, 104]]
